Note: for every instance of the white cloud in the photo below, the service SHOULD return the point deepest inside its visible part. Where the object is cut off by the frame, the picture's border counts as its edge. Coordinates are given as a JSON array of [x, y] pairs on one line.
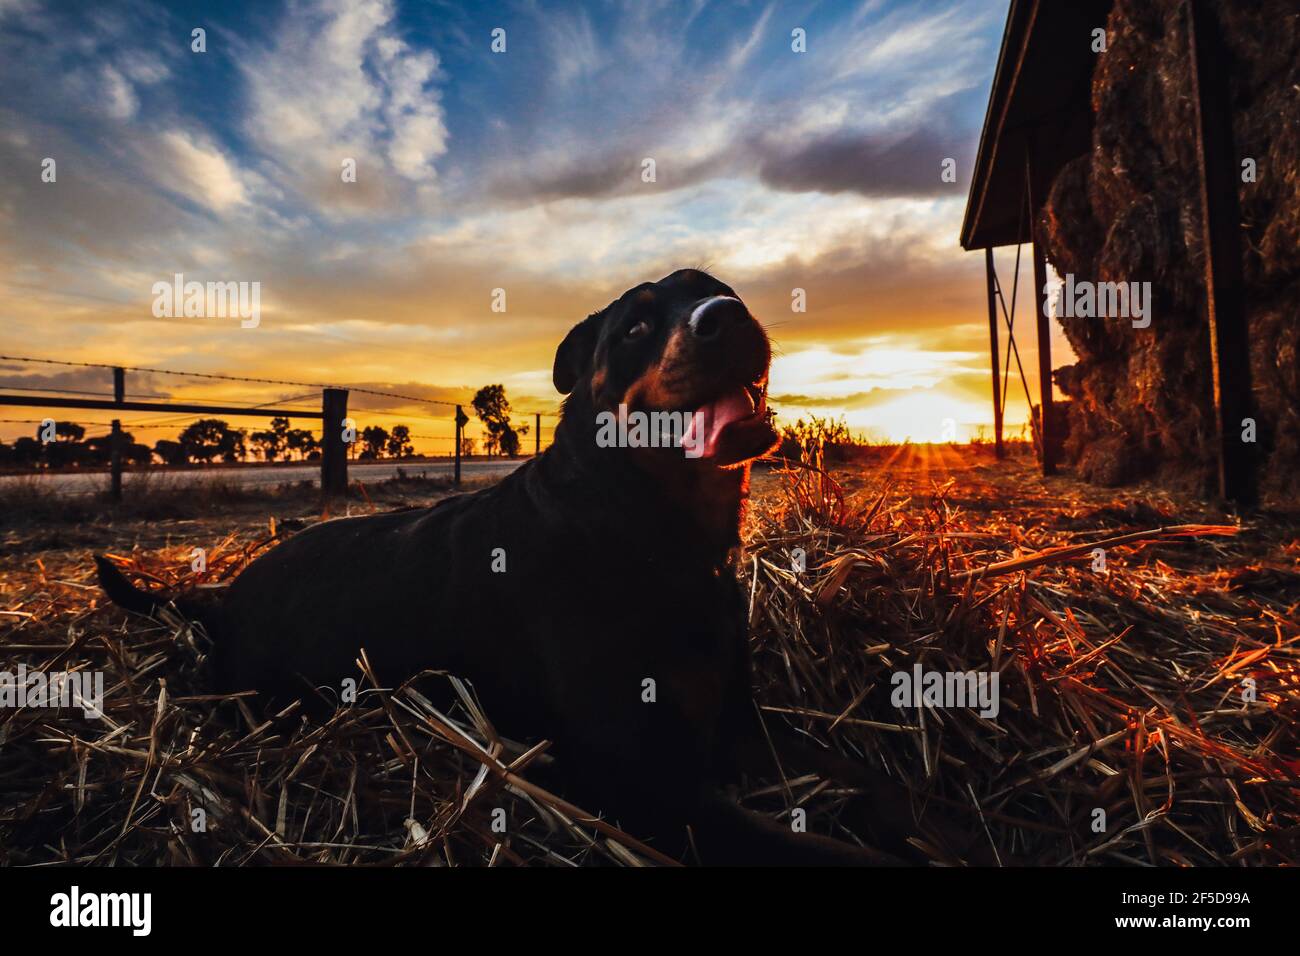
[[743, 51], [144, 69], [937, 44], [195, 167], [881, 362], [338, 82], [575, 51], [120, 101], [419, 135]]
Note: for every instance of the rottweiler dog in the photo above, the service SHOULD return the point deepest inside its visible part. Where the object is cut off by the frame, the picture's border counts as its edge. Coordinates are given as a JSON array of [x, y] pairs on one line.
[[591, 597]]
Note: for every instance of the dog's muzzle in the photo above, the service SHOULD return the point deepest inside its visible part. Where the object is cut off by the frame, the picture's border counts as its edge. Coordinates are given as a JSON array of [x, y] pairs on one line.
[[710, 317]]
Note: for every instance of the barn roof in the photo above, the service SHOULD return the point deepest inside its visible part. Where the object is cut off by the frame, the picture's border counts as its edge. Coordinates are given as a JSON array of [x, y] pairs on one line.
[[1039, 102]]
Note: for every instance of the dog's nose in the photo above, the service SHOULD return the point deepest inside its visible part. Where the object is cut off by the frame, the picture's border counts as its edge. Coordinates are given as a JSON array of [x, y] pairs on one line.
[[711, 316]]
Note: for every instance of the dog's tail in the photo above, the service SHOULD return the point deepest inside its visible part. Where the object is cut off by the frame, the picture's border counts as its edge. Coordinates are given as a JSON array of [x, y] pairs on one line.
[[122, 592]]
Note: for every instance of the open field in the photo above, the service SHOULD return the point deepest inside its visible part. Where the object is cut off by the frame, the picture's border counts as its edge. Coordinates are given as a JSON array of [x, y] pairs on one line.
[[1122, 690]]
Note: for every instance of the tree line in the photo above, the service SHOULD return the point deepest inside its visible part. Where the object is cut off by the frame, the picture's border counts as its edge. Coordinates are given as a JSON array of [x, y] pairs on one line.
[[205, 441], [210, 440]]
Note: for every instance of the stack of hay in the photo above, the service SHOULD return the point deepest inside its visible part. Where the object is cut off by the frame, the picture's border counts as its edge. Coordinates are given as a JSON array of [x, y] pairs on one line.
[[1130, 211]]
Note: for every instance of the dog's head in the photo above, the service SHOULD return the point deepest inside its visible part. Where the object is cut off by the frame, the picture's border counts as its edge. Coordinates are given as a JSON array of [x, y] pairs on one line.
[[685, 345]]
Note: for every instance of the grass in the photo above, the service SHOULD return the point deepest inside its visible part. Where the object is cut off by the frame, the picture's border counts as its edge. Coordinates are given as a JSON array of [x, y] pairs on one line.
[[26, 501], [1124, 735]]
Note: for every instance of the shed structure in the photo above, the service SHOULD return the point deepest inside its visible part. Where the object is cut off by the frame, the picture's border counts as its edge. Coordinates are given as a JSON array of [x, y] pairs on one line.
[[1040, 118]]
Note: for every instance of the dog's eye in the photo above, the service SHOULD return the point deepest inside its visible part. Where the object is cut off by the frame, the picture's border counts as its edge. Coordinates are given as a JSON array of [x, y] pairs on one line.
[[639, 329]]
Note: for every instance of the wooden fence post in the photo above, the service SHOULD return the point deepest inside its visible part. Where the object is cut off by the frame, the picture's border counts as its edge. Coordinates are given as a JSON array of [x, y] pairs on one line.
[[537, 438], [461, 419], [115, 440], [334, 453]]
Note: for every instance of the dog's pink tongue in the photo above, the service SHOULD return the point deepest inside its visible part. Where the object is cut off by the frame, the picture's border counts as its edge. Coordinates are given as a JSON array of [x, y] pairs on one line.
[[709, 420]]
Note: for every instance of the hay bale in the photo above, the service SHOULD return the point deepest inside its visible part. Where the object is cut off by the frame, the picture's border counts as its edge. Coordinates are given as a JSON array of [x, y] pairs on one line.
[[1130, 211]]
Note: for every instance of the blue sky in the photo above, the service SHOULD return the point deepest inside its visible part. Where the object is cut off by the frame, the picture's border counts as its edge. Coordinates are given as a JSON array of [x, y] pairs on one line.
[[518, 170]]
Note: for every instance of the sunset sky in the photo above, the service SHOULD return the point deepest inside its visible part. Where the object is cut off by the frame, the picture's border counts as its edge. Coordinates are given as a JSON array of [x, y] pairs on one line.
[[478, 170]]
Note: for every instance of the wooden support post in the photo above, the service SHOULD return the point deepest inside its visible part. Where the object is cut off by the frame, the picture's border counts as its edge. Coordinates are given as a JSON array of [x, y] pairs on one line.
[[1225, 291], [334, 452], [461, 419], [115, 442], [991, 277], [1044, 326], [537, 437]]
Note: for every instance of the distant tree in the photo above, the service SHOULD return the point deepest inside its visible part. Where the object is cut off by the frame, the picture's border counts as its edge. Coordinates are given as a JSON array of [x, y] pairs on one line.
[[136, 453], [493, 410], [399, 442], [26, 452], [374, 440], [300, 440], [510, 440], [467, 446], [171, 452], [267, 443], [67, 448], [273, 441], [64, 431], [210, 438], [61, 454], [234, 447], [99, 450]]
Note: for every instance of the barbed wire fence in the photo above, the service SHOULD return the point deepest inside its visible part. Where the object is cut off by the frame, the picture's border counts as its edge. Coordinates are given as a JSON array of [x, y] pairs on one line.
[[339, 433]]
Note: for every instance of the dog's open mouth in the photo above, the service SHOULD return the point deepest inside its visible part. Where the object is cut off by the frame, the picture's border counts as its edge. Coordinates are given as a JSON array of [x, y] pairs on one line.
[[732, 427]]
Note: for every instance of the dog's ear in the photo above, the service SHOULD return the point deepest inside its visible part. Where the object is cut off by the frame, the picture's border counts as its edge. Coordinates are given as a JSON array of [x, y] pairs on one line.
[[573, 357]]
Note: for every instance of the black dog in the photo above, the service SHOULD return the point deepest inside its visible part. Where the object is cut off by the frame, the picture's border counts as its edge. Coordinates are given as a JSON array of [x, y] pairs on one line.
[[590, 597]]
